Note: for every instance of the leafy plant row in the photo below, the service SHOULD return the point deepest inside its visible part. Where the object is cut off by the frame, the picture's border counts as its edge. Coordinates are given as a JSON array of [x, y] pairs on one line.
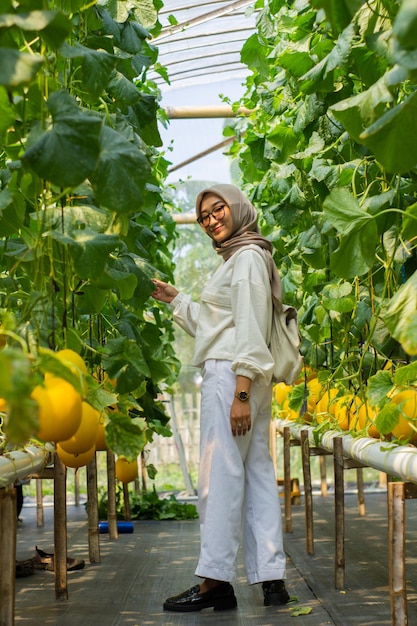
[[83, 224], [149, 505], [329, 156]]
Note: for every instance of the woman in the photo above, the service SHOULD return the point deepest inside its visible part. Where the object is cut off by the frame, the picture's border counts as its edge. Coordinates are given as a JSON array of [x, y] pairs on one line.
[[237, 487]]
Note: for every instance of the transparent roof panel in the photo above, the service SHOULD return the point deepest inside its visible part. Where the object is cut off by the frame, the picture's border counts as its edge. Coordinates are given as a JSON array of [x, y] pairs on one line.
[[201, 43]]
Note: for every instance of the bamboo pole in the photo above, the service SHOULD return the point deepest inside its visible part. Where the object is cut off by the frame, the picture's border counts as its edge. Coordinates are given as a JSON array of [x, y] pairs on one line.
[[287, 480], [180, 447], [8, 522], [40, 520], [396, 544], [308, 493], [143, 472], [184, 218], [339, 489], [201, 155], [361, 491], [60, 530], [323, 475], [126, 503], [273, 445], [77, 487], [92, 512], [382, 480], [205, 112], [111, 496]]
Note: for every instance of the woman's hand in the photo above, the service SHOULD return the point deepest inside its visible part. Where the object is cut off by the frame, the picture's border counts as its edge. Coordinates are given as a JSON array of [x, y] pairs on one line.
[[240, 417], [240, 420], [163, 291]]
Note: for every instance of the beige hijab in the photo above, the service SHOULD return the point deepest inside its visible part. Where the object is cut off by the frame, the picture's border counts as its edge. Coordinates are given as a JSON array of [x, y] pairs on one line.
[[245, 231]]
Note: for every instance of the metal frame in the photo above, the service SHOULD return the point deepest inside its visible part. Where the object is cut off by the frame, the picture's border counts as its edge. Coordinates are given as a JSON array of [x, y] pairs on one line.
[[194, 49]]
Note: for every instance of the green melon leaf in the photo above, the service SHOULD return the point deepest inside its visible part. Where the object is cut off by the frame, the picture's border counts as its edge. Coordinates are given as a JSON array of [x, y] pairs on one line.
[[400, 315], [53, 26], [390, 138], [379, 386], [405, 24], [67, 153], [126, 436], [18, 68], [96, 66], [406, 374], [121, 173], [387, 418]]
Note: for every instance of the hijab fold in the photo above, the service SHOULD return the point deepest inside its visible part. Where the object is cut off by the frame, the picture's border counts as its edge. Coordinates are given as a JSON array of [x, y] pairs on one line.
[[245, 232]]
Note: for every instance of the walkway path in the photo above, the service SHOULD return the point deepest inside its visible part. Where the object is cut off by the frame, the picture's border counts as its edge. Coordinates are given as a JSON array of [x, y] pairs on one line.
[[139, 570]]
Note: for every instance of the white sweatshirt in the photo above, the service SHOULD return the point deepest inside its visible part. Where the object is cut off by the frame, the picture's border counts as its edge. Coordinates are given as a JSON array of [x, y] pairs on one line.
[[233, 321]]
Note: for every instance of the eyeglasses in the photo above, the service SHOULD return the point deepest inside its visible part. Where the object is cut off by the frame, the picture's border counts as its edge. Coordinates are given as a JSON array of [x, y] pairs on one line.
[[217, 213]]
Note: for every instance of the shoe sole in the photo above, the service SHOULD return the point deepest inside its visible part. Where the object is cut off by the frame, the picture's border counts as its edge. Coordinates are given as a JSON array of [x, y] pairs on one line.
[[275, 600], [219, 605]]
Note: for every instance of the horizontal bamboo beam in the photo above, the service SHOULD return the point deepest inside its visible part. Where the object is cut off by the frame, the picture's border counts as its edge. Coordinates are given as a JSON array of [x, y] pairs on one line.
[[205, 111], [184, 218]]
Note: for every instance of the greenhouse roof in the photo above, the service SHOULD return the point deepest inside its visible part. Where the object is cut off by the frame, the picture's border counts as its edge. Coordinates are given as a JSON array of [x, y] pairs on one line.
[[200, 43]]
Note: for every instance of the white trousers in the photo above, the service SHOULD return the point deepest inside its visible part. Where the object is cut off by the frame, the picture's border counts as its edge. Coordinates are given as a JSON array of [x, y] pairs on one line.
[[238, 495]]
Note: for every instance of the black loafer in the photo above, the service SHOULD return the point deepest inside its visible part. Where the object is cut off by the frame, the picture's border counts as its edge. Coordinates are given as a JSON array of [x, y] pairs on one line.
[[275, 593], [221, 598]]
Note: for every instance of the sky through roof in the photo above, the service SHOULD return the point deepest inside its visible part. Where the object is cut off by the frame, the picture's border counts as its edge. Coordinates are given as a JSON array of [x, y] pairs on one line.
[[200, 46]]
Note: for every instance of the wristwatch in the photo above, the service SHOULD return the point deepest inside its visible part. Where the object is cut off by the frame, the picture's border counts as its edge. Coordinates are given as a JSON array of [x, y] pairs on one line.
[[243, 396]]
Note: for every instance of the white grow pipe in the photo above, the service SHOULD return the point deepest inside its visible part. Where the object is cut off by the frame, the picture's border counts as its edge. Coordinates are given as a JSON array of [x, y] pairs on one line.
[[17, 464], [395, 460]]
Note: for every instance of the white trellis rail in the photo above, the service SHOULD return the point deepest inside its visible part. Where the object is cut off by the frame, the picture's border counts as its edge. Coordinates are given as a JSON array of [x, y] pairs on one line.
[[394, 460], [17, 464]]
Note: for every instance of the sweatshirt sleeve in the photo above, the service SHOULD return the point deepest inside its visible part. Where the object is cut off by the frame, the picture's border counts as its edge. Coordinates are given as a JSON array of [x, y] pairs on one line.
[[185, 312], [252, 313]]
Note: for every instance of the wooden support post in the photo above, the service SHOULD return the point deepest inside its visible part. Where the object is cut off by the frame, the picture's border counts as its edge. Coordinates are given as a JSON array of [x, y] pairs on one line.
[[323, 475], [8, 522], [126, 502], [396, 546], [382, 480], [92, 512], [77, 487], [339, 513], [287, 479], [273, 445], [308, 492], [143, 472], [181, 453], [111, 496], [361, 491], [60, 529], [39, 504]]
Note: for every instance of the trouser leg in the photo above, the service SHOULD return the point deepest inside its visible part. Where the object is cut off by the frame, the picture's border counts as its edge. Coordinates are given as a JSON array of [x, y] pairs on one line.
[[221, 477], [263, 550], [237, 481]]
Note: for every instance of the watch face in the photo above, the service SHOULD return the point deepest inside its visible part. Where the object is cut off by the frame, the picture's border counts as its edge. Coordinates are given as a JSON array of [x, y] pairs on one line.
[[243, 396]]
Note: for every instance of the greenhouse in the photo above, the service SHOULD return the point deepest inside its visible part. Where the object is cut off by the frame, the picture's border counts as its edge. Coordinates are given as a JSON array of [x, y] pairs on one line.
[[138, 356]]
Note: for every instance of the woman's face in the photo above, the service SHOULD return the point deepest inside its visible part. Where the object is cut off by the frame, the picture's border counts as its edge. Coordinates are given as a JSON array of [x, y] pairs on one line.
[[218, 227]]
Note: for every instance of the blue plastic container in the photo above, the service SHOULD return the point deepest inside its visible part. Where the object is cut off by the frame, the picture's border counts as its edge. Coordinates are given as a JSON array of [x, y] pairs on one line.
[[122, 527]]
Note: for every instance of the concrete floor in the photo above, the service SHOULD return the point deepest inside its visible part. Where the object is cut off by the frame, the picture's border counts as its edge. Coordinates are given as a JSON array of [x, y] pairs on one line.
[[139, 570]]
